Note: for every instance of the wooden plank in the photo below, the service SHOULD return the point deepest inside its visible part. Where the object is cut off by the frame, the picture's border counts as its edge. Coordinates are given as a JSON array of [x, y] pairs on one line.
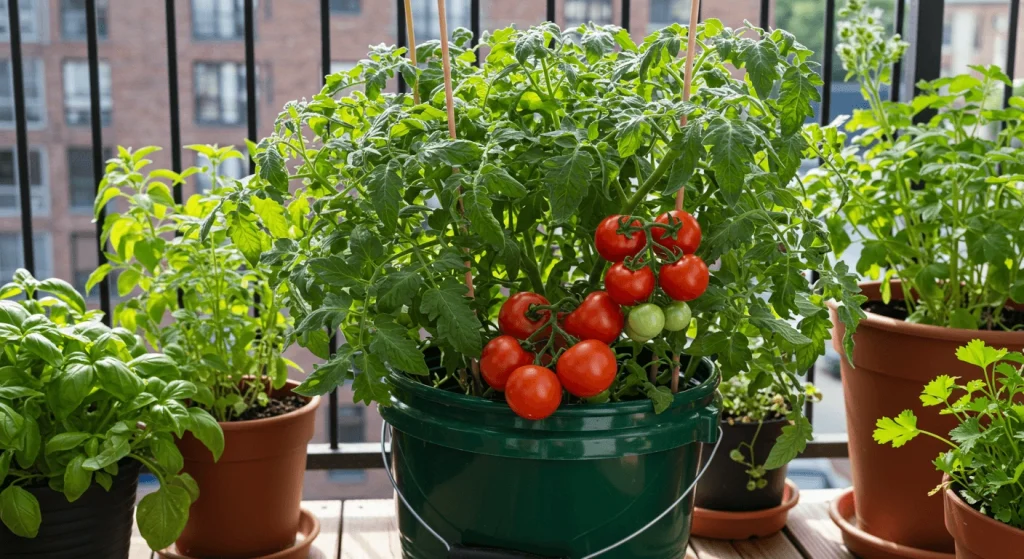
[[369, 530], [713, 549], [811, 529], [690, 553], [772, 547]]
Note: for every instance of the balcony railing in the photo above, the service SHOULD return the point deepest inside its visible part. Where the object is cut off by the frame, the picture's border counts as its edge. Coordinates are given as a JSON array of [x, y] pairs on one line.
[[921, 19]]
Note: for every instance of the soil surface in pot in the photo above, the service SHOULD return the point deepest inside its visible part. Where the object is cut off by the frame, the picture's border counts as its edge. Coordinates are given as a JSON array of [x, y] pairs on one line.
[[276, 406], [897, 309]]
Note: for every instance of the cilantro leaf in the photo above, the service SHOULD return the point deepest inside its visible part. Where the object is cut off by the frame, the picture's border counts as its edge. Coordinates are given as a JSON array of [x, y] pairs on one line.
[[898, 431]]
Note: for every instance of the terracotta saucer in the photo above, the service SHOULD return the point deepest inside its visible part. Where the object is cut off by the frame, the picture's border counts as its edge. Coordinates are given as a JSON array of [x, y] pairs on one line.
[[728, 525], [309, 529], [863, 544]]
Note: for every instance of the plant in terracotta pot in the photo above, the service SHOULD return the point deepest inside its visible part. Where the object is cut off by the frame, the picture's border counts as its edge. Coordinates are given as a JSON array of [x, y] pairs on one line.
[[82, 408], [462, 254], [197, 292], [929, 190], [739, 497], [982, 491]]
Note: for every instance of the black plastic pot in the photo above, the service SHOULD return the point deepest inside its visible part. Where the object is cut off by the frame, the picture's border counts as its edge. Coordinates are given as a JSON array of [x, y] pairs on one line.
[[724, 485], [96, 526]]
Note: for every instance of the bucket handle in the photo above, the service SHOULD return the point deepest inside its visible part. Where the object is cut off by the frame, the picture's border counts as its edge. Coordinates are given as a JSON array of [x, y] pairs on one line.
[[456, 551]]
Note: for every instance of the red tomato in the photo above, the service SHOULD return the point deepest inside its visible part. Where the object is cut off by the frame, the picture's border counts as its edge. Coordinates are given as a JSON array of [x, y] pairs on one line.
[[614, 247], [686, 239], [500, 357], [597, 318], [587, 368], [628, 287], [533, 392], [512, 319], [686, 279]]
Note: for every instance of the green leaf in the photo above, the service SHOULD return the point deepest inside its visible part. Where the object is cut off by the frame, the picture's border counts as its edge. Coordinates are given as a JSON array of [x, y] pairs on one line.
[[967, 434], [40, 346], [63, 291], [5, 463], [161, 515], [365, 246], [271, 168], [155, 365], [795, 100], [397, 289], [177, 390], [97, 276], [661, 396], [450, 152], [782, 329], [205, 428], [335, 271], [456, 322], [116, 378], [790, 443], [167, 455], [30, 442], [371, 385], [76, 478], [761, 60], [393, 345], [938, 390], [385, 188], [987, 242], [481, 218], [498, 181], [568, 180], [978, 353], [730, 143], [11, 423], [328, 376], [114, 449], [247, 238], [19, 511], [127, 281], [330, 314], [898, 431], [272, 215], [68, 387], [66, 441]]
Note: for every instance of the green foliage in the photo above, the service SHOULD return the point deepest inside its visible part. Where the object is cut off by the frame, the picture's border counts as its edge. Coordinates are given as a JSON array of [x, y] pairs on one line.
[[984, 462], [931, 187], [197, 263], [554, 134], [75, 406]]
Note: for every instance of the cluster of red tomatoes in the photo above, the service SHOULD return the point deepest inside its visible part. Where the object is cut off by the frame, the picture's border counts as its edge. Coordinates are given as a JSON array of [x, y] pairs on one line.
[[588, 367]]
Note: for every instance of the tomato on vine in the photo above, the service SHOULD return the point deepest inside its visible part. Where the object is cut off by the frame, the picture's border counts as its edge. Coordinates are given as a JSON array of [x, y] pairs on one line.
[[533, 392], [685, 279], [587, 368], [647, 320], [513, 318], [629, 287], [631, 334], [677, 316], [597, 318], [687, 238], [500, 357], [614, 246]]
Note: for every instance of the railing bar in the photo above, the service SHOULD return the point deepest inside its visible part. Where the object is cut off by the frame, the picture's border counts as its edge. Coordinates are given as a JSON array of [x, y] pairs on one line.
[[897, 67], [172, 89], [827, 56], [250, 76], [21, 125], [403, 41], [332, 339], [549, 14], [474, 26], [626, 9], [764, 20], [1011, 49], [96, 122], [700, 11]]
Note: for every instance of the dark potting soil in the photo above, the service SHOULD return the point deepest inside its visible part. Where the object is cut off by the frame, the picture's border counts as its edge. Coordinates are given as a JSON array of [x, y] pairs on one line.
[[730, 418], [1012, 319], [276, 407]]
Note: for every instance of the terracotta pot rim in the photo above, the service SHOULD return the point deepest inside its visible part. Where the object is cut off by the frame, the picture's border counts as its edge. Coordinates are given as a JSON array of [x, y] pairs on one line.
[[310, 407], [862, 540], [962, 335], [959, 503], [789, 500], [309, 529]]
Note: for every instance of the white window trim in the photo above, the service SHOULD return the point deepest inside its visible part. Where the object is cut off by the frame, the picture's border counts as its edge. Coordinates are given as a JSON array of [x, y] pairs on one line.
[[42, 249], [84, 102], [41, 86], [40, 13], [40, 194]]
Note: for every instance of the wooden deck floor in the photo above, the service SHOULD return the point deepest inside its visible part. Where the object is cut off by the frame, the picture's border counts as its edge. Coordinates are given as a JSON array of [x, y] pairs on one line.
[[368, 530]]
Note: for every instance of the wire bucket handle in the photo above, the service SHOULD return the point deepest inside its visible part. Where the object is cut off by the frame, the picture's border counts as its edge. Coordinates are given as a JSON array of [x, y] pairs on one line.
[[456, 551]]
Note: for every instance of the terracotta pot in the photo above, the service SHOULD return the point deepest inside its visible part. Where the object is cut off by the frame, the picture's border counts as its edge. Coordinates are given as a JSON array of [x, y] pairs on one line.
[[724, 485], [730, 525], [249, 501], [892, 362], [978, 536]]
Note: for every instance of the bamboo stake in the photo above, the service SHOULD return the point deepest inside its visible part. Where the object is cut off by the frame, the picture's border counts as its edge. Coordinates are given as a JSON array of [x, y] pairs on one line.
[[446, 66], [410, 31], [691, 47]]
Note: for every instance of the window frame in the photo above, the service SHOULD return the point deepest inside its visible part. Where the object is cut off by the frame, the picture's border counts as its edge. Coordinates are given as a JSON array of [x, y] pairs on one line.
[[587, 5], [35, 15], [102, 21], [40, 193], [342, 10], [39, 103], [238, 11], [242, 103], [106, 100], [42, 249]]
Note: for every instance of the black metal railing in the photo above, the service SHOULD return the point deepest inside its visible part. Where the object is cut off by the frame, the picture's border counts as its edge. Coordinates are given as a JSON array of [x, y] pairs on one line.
[[925, 34]]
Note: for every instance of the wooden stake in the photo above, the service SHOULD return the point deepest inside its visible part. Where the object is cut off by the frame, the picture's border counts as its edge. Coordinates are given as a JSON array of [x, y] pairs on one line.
[[410, 31], [691, 47]]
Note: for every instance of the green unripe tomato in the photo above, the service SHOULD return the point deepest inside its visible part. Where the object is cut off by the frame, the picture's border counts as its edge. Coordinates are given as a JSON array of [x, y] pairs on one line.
[[646, 320], [634, 336], [677, 316]]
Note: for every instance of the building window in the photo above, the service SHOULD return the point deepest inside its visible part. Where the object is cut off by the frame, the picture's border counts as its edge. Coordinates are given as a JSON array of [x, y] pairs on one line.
[[947, 34], [578, 12], [220, 92], [81, 182], [234, 168], [31, 22], [10, 197], [667, 12], [12, 256], [84, 259], [35, 100], [72, 20], [351, 429], [218, 19], [425, 18], [77, 93], [346, 6]]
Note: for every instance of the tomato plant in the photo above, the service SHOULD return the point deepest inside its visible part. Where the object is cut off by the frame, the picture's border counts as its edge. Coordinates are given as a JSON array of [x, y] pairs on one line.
[[614, 245], [514, 318], [587, 368], [647, 320], [533, 392], [685, 279], [686, 239], [500, 357], [597, 318], [628, 287], [677, 316]]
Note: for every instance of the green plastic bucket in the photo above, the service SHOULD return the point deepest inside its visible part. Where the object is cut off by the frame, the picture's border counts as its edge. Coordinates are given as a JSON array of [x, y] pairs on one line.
[[568, 486]]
